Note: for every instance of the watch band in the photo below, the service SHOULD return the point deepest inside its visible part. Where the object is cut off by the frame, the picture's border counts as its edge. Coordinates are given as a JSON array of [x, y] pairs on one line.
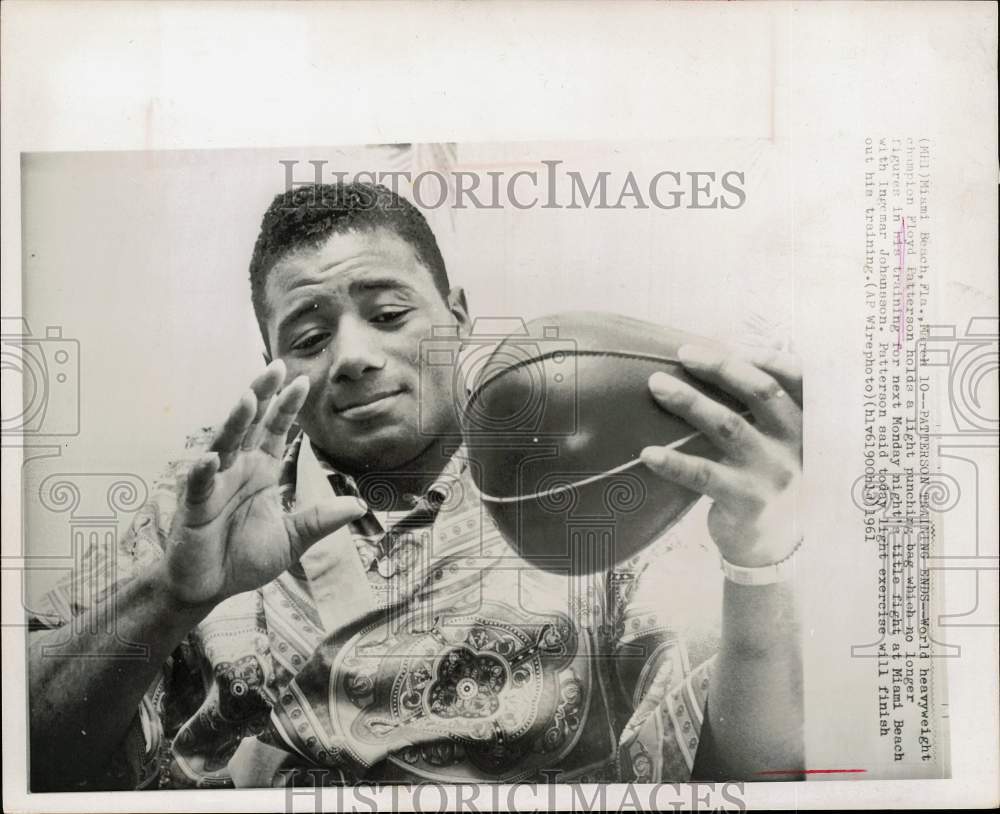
[[780, 571]]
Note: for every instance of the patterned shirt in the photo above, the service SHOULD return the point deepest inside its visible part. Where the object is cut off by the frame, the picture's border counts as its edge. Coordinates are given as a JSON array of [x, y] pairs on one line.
[[408, 646]]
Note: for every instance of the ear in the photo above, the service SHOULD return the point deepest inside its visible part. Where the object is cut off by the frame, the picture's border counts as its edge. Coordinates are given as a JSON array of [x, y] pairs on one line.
[[460, 309]]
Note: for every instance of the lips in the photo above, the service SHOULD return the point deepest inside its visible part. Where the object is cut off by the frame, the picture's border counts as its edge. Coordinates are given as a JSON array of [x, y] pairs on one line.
[[367, 405]]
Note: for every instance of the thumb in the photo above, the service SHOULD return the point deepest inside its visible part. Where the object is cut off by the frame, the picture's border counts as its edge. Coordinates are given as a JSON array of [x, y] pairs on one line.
[[311, 525]]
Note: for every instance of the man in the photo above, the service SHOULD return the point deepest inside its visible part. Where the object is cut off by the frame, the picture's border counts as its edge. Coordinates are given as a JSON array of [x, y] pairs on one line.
[[322, 594]]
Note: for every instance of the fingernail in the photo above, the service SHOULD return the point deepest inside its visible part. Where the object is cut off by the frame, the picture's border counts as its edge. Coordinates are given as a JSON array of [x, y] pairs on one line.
[[697, 355], [663, 382], [210, 459], [362, 505], [650, 455]]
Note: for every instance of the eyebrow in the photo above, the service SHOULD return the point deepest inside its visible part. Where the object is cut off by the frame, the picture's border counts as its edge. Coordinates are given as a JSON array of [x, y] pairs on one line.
[[296, 313], [365, 284], [381, 284]]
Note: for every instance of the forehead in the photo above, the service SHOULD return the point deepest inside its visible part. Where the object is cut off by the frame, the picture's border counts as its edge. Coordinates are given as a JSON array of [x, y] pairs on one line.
[[343, 258]]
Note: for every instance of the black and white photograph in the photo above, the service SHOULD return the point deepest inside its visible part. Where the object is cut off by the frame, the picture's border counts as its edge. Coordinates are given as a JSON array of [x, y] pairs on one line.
[[425, 544], [522, 467]]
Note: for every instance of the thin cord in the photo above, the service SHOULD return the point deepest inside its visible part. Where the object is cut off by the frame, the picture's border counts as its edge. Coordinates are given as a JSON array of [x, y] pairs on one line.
[[565, 487]]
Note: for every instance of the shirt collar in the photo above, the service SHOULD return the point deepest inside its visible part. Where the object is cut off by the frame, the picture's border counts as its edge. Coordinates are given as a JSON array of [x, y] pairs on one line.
[[437, 492]]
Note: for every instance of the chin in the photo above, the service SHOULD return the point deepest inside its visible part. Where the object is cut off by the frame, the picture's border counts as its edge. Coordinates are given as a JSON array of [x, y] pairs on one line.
[[384, 448]]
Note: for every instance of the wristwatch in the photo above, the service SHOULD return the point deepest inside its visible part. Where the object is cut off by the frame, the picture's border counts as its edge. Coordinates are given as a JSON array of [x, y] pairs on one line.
[[780, 571]]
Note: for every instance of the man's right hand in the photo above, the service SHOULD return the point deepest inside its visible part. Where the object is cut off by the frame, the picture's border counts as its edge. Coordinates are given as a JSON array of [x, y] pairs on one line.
[[230, 533]]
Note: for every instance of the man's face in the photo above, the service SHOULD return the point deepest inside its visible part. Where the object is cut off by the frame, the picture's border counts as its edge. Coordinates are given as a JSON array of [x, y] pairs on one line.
[[351, 314]]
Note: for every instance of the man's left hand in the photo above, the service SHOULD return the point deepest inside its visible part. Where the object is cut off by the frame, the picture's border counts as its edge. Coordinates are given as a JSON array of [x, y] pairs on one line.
[[755, 485]]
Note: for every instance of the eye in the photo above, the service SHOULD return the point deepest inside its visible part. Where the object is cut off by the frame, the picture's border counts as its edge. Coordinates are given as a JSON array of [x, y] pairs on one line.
[[389, 315], [311, 343]]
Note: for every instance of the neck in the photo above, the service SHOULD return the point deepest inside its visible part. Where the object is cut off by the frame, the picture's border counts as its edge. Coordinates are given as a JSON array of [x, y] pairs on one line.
[[388, 489]]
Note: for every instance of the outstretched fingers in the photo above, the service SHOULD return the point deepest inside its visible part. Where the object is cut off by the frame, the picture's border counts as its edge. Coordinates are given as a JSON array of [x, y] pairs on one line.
[[227, 440], [267, 383], [200, 486], [280, 416], [242, 429]]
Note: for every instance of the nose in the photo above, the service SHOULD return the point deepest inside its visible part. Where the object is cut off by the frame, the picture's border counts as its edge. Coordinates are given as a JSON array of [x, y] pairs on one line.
[[357, 351]]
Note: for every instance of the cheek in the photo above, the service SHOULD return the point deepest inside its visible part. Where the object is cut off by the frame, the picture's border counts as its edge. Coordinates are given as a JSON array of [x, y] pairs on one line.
[[440, 388]]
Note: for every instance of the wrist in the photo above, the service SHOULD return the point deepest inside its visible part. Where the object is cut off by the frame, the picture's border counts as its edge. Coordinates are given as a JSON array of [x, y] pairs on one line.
[[766, 550], [157, 585], [768, 572]]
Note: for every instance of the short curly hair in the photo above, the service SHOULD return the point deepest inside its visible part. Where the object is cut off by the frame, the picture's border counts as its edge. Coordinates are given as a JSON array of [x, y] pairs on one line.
[[306, 216]]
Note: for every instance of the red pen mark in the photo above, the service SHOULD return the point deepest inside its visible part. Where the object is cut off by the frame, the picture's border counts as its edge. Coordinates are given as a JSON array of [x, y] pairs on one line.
[[901, 242], [812, 771]]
